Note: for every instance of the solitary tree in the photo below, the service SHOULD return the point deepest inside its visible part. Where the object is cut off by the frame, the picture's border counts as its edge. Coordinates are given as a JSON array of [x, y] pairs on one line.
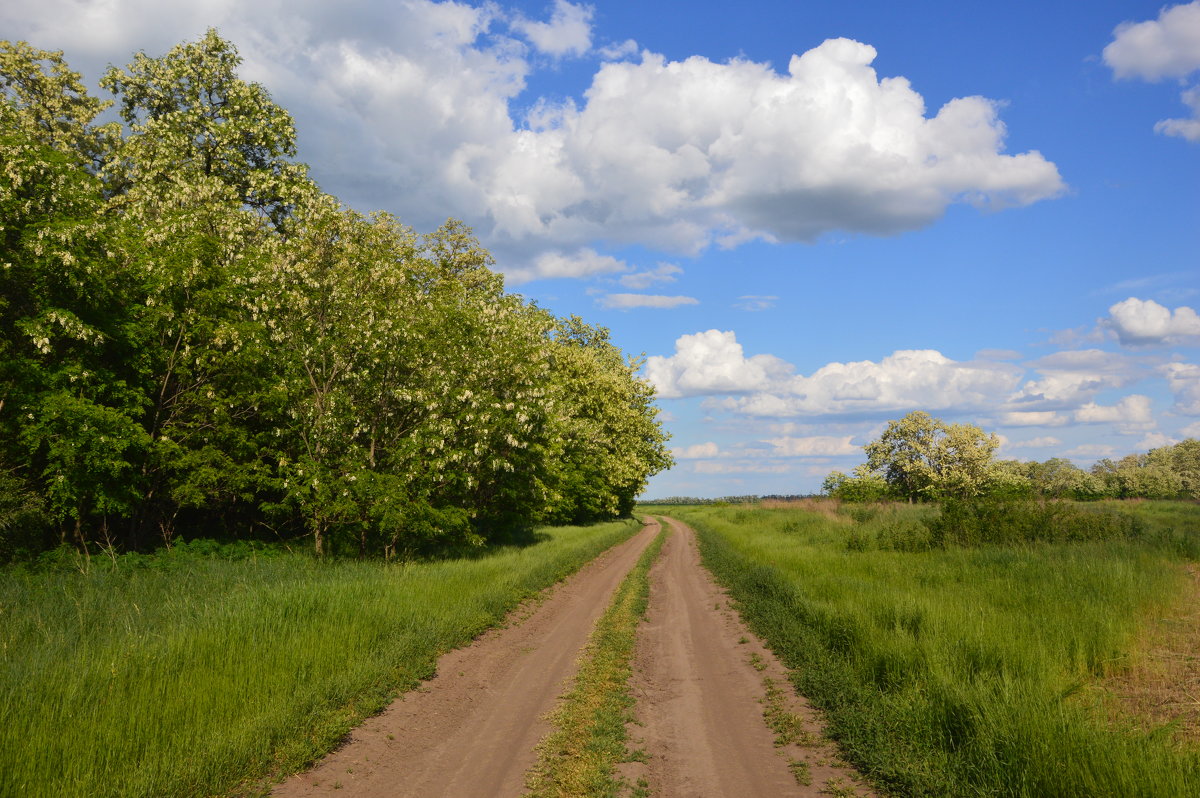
[[922, 457]]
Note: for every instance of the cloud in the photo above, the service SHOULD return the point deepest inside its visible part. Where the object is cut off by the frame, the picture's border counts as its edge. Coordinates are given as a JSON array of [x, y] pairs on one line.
[[695, 451], [420, 108], [755, 302], [1131, 414], [814, 446], [629, 301], [1167, 47], [616, 52], [1155, 440], [662, 273], [569, 31], [583, 263], [1191, 430], [712, 362], [1184, 381], [741, 467], [998, 354], [1044, 442], [1032, 418], [1142, 322], [1184, 128], [1066, 379], [1090, 451]]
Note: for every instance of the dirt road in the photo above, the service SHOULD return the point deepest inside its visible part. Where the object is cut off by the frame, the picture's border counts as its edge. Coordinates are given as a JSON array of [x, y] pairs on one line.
[[699, 682], [470, 732]]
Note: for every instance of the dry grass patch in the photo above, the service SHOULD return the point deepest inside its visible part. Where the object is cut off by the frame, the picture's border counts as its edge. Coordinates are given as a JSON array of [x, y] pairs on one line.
[[1160, 689]]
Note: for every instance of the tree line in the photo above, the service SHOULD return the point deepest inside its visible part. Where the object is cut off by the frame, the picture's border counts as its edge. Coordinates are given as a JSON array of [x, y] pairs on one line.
[[922, 458], [196, 340]]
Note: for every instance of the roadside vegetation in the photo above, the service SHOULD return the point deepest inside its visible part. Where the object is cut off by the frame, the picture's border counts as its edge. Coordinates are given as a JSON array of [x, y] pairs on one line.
[[196, 670], [970, 664], [196, 341], [580, 756]]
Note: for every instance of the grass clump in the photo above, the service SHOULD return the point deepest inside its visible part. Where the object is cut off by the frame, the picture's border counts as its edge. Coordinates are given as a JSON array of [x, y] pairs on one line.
[[192, 675], [958, 670], [580, 756]]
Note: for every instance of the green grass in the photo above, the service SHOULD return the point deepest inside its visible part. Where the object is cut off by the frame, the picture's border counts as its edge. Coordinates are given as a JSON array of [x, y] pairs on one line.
[[203, 675], [580, 756], [957, 672]]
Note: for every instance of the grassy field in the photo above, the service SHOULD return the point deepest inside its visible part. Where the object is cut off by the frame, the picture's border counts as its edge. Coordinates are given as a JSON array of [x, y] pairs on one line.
[[964, 670], [196, 675]]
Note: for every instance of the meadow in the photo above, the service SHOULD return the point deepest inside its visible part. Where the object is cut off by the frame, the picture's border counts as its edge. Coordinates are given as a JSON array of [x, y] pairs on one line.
[[210, 668], [966, 670]]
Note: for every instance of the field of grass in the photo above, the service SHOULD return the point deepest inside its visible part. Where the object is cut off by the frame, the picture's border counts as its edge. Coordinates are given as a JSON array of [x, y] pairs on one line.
[[961, 671], [198, 675]]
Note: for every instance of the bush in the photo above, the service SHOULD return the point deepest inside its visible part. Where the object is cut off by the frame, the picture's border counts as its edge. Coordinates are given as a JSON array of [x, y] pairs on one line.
[[999, 520]]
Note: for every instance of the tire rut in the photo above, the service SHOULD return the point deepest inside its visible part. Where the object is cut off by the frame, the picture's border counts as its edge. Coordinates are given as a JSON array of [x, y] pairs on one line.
[[472, 729]]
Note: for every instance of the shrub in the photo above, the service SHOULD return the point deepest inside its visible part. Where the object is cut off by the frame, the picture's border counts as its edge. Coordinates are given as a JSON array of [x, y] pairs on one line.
[[1001, 520]]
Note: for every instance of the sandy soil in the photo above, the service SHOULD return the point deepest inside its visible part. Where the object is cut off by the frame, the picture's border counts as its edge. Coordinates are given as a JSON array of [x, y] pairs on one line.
[[699, 684], [470, 732]]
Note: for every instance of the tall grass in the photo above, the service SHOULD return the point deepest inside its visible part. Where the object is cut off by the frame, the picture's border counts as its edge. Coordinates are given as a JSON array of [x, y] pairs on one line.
[[958, 671], [201, 676]]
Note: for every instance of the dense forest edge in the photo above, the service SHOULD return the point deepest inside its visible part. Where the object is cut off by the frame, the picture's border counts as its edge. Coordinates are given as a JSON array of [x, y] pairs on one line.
[[196, 341]]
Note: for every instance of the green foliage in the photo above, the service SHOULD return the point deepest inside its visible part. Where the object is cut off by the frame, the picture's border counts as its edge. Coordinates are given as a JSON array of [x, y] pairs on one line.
[[921, 457], [957, 671], [1007, 521], [205, 668], [193, 336]]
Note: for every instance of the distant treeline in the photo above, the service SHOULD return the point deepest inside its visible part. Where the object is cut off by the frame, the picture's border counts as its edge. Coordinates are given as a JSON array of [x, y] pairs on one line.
[[195, 340], [751, 499], [922, 458]]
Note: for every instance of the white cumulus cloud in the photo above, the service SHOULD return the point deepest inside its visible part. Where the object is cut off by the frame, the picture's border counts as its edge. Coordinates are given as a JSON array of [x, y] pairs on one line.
[[411, 107], [585, 262], [1066, 379], [696, 451], [712, 362], [1167, 47], [1132, 413], [1184, 381], [569, 31], [1139, 322]]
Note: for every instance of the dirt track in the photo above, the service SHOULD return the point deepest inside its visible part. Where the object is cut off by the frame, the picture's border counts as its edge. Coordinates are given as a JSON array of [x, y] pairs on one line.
[[700, 698], [471, 731]]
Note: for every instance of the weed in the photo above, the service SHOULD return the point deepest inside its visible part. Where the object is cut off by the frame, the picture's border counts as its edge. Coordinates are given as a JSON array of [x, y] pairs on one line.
[[800, 772], [949, 671], [202, 672]]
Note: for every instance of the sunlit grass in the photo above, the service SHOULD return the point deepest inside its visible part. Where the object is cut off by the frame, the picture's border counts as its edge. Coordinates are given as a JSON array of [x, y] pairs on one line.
[[958, 671], [191, 680]]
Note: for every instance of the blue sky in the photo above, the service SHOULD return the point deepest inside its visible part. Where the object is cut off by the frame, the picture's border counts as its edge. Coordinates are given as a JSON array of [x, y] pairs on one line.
[[810, 217]]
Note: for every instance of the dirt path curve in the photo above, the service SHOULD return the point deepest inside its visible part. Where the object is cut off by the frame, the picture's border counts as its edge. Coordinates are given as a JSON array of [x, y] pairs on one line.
[[470, 732], [700, 698]]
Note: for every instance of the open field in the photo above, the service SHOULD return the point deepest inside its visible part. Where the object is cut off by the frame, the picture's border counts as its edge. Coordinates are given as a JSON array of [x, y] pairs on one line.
[[964, 671], [188, 676]]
